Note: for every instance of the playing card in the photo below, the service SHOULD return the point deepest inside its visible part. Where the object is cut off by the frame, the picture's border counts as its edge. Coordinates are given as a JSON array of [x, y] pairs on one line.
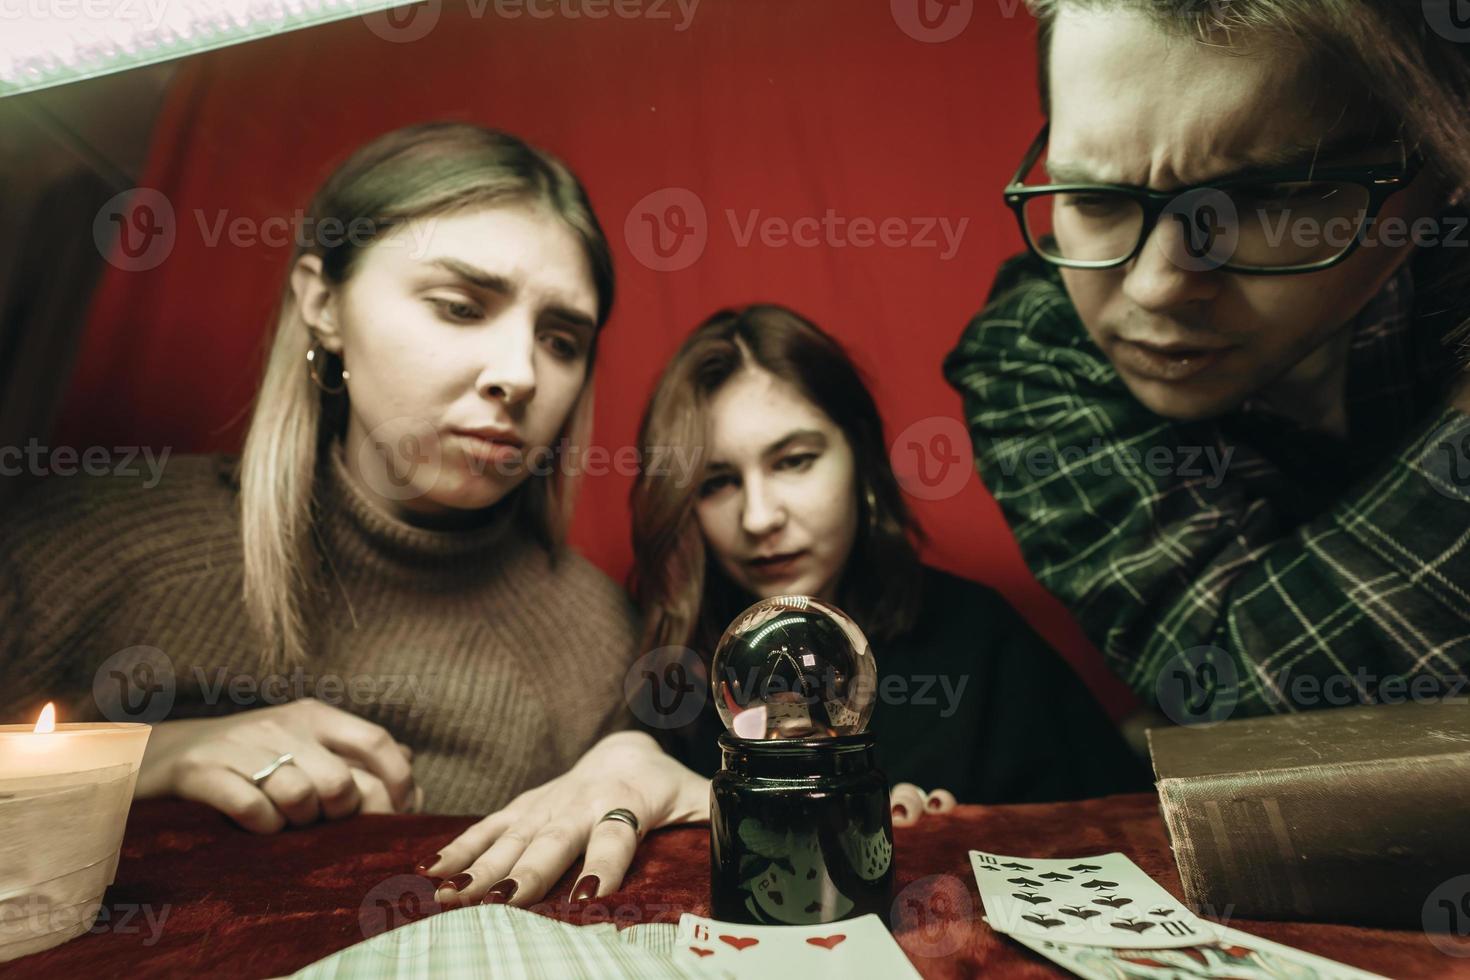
[[1235, 955], [855, 948], [507, 943], [1104, 900]]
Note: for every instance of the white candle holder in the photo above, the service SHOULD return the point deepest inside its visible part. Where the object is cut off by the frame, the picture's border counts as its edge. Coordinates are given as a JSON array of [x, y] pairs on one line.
[[64, 800]]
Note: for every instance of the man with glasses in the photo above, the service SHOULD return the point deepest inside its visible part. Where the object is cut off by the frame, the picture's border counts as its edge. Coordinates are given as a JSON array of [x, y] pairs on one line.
[[1219, 399]]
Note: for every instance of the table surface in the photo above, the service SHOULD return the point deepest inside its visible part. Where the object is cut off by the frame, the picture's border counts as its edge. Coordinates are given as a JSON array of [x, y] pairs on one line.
[[196, 895]]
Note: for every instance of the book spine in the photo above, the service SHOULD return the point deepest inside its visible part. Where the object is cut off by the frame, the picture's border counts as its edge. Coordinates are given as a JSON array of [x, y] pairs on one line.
[[1364, 843]]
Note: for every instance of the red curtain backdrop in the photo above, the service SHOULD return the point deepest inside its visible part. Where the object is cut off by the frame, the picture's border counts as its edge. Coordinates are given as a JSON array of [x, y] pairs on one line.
[[716, 126]]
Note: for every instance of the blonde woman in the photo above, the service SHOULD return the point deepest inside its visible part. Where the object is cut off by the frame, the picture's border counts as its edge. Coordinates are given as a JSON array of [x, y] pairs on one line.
[[372, 609]]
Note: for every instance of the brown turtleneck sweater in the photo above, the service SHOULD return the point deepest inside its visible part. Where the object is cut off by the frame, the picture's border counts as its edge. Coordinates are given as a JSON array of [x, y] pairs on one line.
[[495, 663]]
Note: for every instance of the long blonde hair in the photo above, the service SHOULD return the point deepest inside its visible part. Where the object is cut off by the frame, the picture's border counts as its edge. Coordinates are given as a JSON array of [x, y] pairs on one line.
[[411, 173]]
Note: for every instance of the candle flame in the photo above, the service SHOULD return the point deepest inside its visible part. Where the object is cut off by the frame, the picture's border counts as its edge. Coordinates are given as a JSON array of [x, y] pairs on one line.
[[47, 721]]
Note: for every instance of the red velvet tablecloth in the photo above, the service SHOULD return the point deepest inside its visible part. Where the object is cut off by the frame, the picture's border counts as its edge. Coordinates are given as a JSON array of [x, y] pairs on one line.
[[197, 896]]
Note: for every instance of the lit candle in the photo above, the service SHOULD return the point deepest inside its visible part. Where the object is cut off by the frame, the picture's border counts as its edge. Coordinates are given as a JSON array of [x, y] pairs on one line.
[[65, 791], [68, 750]]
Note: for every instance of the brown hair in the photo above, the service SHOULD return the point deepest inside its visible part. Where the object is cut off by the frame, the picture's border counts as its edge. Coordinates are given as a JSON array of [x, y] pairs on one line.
[[408, 174], [1388, 51], [685, 599]]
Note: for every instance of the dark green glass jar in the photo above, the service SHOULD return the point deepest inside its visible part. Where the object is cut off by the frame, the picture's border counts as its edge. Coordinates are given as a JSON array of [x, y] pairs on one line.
[[800, 831]]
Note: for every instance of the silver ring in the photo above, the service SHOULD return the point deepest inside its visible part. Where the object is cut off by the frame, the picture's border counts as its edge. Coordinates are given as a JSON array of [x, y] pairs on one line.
[[264, 774], [623, 816]]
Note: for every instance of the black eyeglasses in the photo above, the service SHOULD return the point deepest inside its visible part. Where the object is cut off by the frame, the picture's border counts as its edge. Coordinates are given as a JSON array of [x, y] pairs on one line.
[[1266, 223]]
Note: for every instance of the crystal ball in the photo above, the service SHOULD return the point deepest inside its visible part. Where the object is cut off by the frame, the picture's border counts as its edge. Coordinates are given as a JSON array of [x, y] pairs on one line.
[[794, 666]]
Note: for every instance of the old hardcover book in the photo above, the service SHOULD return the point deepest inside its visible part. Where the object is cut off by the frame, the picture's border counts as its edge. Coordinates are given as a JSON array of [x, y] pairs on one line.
[[1351, 815]]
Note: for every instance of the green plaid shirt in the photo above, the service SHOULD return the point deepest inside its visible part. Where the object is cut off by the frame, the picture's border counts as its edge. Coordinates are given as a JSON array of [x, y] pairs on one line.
[[1347, 563]]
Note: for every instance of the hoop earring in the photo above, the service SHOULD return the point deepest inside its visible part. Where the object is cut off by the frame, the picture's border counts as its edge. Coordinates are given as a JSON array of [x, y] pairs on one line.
[[313, 360]]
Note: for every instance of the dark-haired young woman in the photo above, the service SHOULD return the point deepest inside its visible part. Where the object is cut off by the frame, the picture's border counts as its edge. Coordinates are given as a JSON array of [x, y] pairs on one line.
[[794, 494]]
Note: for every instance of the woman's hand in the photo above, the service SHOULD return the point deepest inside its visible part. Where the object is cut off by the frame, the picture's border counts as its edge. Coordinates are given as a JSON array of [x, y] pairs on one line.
[[341, 764], [516, 854], [909, 803]]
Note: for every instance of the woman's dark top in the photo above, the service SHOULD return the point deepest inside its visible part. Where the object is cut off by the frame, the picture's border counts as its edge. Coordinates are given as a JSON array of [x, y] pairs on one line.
[[971, 700]]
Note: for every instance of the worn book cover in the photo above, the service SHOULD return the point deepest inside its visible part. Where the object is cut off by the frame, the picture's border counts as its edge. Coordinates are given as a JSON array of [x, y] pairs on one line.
[[1348, 815]]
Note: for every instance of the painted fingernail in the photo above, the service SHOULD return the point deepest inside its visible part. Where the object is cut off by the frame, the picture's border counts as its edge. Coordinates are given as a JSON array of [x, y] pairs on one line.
[[585, 890], [424, 866], [900, 811], [460, 881], [501, 892]]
